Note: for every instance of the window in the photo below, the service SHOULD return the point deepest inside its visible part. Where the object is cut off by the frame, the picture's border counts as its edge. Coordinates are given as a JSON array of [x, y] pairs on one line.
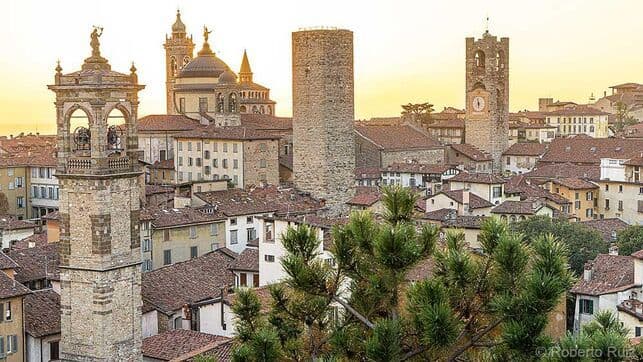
[[262, 163], [235, 164], [233, 221], [207, 170], [178, 323], [180, 146], [12, 344], [20, 181], [215, 163], [607, 187], [235, 179], [214, 246], [497, 191], [268, 232], [508, 160], [180, 161], [214, 230], [255, 280], [576, 196], [637, 331], [203, 105], [206, 154], [166, 235], [35, 191], [249, 220], [10, 172], [192, 232], [147, 245], [198, 162], [577, 204], [50, 192], [269, 258], [235, 147], [243, 280], [198, 146], [20, 202], [589, 213], [167, 257], [146, 265], [225, 147], [181, 105], [7, 314], [251, 233], [190, 161], [607, 204], [620, 188], [43, 192], [589, 196], [586, 306], [189, 146], [263, 147], [233, 237], [54, 350], [194, 252], [162, 155], [224, 163]]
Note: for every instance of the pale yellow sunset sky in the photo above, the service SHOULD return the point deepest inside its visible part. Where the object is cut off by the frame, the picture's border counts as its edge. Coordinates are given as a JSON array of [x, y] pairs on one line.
[[405, 51]]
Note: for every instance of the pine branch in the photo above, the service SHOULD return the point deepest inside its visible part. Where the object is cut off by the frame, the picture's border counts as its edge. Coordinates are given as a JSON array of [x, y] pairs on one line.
[[355, 313]]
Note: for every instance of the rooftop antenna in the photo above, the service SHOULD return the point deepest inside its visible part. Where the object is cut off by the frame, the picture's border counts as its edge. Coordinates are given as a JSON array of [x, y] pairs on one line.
[[486, 31]]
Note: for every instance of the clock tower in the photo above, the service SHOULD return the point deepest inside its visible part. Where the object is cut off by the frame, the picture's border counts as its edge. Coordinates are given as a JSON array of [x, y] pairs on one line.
[[487, 95]]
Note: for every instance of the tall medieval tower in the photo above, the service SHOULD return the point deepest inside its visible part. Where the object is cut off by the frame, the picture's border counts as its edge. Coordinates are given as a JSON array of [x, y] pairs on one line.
[[323, 115], [487, 95], [98, 171], [179, 50]]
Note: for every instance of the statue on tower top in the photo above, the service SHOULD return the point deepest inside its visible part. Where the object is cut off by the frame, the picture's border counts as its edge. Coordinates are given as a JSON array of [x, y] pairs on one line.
[[206, 33], [95, 44]]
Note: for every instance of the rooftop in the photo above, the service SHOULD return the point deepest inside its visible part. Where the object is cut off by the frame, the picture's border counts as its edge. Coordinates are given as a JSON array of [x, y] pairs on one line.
[[526, 149], [610, 274], [247, 260], [169, 288], [169, 218], [607, 227], [177, 344], [12, 223], [478, 177], [475, 201], [238, 133], [40, 262], [471, 152], [10, 288], [166, 122], [574, 183], [416, 167], [396, 137], [42, 313], [523, 207], [577, 110], [562, 170], [587, 150]]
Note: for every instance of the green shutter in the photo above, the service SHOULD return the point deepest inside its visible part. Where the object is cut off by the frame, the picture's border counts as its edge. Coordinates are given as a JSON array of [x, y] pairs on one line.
[[1, 346], [1, 312], [14, 343]]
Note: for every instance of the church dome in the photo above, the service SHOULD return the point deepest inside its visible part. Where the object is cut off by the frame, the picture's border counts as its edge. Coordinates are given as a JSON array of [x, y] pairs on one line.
[[204, 66], [227, 77]]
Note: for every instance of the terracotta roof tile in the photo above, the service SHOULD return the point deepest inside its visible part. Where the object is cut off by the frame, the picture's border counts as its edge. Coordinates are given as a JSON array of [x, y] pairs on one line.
[[607, 227], [635, 161], [194, 280], [576, 111], [395, 137], [12, 223], [575, 183], [176, 343], [523, 207], [266, 122], [6, 262], [42, 313], [247, 260], [447, 123], [590, 150], [34, 240], [471, 152], [256, 200], [222, 352], [526, 149], [416, 167], [477, 177], [37, 263], [163, 165], [168, 218], [610, 273], [440, 214], [10, 288], [561, 170], [165, 123], [464, 222], [475, 201]]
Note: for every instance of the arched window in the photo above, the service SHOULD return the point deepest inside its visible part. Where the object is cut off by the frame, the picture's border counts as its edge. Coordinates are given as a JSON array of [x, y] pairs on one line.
[[220, 103], [173, 66], [255, 109], [512, 218], [242, 109], [500, 60], [80, 131], [270, 110], [232, 102], [262, 110], [479, 58], [479, 85], [186, 60], [116, 130], [591, 128]]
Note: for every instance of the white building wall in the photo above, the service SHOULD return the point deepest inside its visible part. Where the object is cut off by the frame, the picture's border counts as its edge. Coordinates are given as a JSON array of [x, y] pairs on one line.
[[612, 169], [222, 153], [150, 324], [210, 319], [241, 227]]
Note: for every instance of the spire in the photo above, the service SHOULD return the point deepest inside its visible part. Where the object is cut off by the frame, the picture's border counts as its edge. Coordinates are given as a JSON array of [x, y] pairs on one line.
[[206, 50], [178, 28], [245, 73]]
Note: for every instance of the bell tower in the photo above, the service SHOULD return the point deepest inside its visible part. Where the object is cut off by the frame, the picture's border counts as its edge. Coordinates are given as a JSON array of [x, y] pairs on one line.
[[487, 95], [99, 209], [179, 51]]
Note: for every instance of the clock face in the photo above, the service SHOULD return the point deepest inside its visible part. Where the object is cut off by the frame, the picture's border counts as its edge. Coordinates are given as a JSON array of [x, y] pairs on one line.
[[478, 104]]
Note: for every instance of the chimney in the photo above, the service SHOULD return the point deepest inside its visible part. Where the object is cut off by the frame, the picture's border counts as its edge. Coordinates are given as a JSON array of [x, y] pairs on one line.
[[587, 273], [613, 250], [465, 200]]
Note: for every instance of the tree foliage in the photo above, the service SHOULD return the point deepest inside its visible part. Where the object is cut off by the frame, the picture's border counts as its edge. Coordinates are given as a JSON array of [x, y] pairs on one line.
[[630, 239], [419, 112], [583, 243], [471, 303], [623, 117]]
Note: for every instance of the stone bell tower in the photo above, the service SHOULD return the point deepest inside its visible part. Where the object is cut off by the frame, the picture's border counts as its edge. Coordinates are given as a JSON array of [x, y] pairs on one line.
[[487, 95], [99, 208], [179, 51]]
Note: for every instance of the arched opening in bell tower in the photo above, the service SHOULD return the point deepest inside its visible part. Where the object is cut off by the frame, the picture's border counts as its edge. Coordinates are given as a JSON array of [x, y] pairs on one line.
[[79, 128], [500, 60], [479, 58], [116, 130]]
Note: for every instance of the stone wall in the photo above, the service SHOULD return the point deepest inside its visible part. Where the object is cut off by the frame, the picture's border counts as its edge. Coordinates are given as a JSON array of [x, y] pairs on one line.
[[490, 132], [261, 162], [323, 115], [366, 153], [101, 284]]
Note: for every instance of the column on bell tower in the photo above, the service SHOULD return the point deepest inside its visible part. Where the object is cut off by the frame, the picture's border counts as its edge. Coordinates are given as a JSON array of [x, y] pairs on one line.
[[179, 50]]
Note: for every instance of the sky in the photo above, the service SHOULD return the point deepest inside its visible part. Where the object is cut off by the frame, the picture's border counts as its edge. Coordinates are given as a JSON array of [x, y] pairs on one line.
[[405, 50]]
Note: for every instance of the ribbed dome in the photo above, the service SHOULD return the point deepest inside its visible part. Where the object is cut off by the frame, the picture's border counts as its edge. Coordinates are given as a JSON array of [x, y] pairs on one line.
[[205, 65], [178, 26], [227, 77]]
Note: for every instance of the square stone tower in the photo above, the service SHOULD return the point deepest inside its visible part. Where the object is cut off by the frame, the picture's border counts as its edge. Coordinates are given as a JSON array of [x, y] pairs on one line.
[[179, 51], [99, 208], [487, 95], [323, 115]]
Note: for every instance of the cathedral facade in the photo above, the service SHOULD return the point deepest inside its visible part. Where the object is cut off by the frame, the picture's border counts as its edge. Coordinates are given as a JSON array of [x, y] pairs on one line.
[[204, 87]]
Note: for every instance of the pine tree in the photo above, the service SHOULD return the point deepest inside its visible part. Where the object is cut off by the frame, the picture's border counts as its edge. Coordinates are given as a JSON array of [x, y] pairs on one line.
[[495, 302]]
